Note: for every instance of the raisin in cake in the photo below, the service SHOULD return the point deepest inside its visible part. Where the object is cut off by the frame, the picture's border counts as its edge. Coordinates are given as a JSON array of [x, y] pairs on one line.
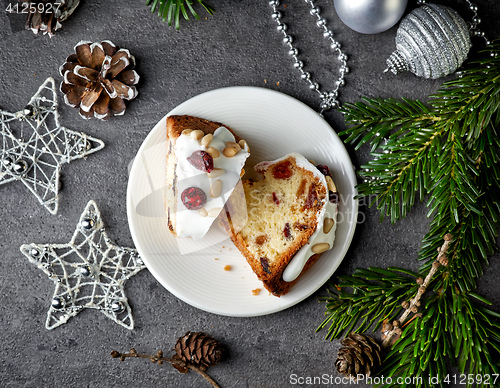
[[291, 220], [204, 162]]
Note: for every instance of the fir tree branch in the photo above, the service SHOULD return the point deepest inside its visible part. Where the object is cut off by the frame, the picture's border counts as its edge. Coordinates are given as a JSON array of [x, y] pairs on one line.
[[477, 231], [449, 151], [422, 350], [401, 170], [381, 117], [170, 10], [376, 295], [414, 135], [440, 161]]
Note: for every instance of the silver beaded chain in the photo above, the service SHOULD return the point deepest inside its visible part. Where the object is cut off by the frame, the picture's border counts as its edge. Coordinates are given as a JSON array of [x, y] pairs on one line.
[[328, 99], [475, 21]]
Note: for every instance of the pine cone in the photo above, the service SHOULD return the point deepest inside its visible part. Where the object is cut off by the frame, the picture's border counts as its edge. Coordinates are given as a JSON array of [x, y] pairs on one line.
[[46, 16], [360, 355], [199, 349], [97, 78]]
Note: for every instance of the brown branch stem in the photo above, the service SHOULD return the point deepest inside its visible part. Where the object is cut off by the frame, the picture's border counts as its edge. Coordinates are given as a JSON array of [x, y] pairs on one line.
[[415, 302], [159, 359]]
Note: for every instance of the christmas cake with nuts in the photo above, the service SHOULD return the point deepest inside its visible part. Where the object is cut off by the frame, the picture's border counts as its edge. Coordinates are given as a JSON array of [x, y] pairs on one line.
[[291, 220], [205, 160]]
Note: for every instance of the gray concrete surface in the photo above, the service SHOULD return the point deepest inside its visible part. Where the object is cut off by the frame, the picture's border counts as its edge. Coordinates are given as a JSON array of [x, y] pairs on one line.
[[239, 45]]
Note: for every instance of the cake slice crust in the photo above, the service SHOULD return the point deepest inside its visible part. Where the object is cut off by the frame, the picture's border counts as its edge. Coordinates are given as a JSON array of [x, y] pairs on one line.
[[177, 123]]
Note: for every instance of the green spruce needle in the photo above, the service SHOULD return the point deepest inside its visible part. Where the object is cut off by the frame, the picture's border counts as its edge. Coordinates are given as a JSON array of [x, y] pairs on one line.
[[445, 152], [170, 10]]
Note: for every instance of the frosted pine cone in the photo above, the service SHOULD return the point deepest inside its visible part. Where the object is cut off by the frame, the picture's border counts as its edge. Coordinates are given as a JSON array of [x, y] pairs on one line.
[[98, 78], [46, 16]]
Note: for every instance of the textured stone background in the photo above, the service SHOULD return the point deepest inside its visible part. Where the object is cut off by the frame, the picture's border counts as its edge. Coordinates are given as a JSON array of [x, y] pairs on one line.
[[237, 46]]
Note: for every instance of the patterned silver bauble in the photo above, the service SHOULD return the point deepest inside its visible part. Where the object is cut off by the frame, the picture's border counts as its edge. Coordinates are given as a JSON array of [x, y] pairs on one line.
[[431, 42], [370, 16]]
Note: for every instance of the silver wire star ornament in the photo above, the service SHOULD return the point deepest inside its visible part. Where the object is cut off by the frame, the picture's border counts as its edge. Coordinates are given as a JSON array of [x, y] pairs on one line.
[[34, 146], [88, 272]]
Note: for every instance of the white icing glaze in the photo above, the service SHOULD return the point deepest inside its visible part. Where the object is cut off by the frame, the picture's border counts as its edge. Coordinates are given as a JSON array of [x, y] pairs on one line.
[[189, 223], [296, 265]]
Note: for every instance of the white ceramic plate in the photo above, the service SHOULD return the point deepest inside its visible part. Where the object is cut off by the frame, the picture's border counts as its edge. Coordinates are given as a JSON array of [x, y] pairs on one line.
[[273, 124]]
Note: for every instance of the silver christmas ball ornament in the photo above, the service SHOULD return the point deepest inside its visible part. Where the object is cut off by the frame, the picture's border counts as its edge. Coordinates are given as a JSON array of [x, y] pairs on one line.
[[432, 41], [35, 252], [370, 16], [117, 307], [85, 270], [20, 167], [84, 145], [29, 111], [88, 223], [7, 162], [58, 303]]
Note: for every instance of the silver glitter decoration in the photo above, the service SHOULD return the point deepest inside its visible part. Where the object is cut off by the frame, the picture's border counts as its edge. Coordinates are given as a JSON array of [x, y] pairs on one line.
[[88, 272], [432, 41], [34, 146]]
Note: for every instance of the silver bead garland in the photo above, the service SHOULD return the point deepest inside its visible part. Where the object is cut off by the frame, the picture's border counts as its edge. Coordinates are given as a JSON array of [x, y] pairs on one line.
[[329, 98]]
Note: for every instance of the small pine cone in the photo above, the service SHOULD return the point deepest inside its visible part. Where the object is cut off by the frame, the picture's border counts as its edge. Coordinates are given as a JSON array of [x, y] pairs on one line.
[[360, 354], [199, 349], [46, 16], [98, 78]]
